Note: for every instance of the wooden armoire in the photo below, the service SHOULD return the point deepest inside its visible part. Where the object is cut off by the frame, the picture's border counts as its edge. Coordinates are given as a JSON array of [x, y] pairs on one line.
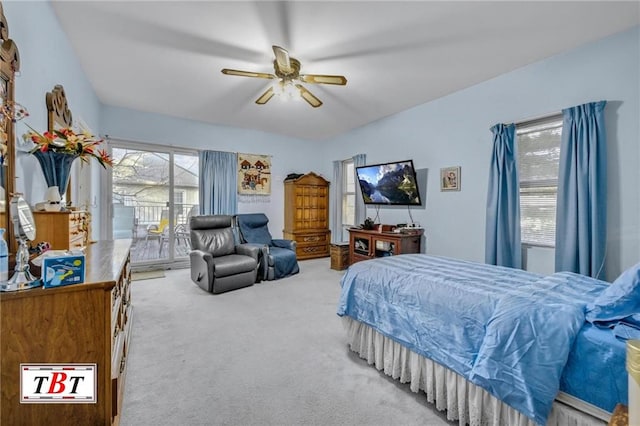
[[306, 215]]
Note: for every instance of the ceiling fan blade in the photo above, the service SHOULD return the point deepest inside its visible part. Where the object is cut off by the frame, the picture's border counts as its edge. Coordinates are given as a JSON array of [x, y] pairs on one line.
[[308, 96], [247, 73], [264, 98], [282, 59], [324, 79]]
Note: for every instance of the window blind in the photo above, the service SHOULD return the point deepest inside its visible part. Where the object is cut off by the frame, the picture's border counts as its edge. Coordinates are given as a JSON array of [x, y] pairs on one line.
[[538, 162]]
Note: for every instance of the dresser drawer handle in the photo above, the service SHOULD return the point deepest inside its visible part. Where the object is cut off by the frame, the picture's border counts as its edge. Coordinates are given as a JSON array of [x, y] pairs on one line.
[[312, 249], [314, 238]]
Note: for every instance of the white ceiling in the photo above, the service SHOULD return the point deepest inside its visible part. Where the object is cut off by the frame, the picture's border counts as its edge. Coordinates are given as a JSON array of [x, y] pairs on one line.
[[165, 56]]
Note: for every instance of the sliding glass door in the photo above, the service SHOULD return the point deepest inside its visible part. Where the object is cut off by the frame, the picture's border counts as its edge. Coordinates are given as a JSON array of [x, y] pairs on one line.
[[154, 193]]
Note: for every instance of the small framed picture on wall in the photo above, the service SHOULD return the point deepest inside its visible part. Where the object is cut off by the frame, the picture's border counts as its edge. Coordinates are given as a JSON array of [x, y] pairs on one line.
[[450, 179]]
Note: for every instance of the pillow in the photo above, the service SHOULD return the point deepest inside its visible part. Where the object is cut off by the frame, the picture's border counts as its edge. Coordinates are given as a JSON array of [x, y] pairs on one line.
[[620, 300]]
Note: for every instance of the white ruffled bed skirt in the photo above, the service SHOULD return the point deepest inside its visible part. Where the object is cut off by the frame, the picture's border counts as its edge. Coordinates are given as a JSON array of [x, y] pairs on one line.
[[464, 401]]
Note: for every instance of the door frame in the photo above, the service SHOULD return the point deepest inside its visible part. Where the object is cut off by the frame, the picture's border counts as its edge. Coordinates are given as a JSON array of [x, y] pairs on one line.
[[106, 198]]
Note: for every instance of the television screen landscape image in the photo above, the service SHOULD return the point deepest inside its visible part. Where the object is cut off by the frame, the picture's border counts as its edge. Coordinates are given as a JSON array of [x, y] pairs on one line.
[[389, 184]]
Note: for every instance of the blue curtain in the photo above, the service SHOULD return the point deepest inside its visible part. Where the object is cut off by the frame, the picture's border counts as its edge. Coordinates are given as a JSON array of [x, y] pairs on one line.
[[581, 213], [502, 242], [218, 177], [335, 222], [361, 210]]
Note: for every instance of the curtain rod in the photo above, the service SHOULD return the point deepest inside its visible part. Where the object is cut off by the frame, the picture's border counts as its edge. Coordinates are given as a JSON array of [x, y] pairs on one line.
[[537, 120], [540, 119], [139, 142]]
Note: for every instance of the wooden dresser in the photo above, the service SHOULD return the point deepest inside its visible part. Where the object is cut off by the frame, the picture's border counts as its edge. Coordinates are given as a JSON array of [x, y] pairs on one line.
[[306, 215], [82, 323], [63, 230]]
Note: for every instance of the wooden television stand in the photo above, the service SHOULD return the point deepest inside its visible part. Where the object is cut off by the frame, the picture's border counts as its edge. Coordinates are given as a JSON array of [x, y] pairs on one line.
[[368, 244]]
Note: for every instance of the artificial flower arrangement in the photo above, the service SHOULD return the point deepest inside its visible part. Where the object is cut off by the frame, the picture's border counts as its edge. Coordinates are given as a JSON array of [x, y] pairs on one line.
[[67, 141]]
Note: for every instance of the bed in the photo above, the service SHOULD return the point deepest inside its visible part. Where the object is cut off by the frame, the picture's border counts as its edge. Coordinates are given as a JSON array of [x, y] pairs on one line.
[[490, 345]]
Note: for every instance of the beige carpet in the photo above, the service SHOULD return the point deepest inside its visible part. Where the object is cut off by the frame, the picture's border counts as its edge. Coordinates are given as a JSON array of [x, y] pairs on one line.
[[273, 354], [146, 275]]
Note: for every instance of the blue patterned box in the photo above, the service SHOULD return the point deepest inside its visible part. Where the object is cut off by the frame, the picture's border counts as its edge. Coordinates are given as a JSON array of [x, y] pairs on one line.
[[62, 270]]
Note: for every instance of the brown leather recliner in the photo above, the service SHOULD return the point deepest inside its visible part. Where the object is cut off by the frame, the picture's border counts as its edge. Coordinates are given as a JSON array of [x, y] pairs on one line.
[[218, 264]]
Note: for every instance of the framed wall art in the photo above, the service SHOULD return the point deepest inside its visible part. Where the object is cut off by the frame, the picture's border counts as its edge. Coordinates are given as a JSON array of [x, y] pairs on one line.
[[450, 179], [254, 174]]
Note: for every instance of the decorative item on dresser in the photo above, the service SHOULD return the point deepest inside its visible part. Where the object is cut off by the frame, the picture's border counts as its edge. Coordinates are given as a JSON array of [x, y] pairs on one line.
[[306, 215], [58, 147], [24, 230], [87, 323], [64, 230]]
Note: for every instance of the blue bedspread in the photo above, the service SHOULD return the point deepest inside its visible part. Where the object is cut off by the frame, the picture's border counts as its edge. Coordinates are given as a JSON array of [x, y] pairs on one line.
[[595, 371], [506, 330]]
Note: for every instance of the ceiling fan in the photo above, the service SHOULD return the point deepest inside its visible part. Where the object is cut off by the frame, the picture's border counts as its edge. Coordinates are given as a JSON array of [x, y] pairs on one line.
[[287, 74]]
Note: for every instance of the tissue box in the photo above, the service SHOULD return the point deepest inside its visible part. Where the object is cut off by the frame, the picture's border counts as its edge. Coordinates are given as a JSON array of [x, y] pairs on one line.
[[62, 270]]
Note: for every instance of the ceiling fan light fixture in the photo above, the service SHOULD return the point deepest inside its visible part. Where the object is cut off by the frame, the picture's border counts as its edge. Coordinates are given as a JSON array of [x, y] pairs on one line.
[[289, 90], [285, 89], [287, 79]]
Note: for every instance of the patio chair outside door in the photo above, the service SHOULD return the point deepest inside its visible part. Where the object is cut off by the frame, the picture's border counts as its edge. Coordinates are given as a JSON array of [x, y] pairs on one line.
[[160, 187]]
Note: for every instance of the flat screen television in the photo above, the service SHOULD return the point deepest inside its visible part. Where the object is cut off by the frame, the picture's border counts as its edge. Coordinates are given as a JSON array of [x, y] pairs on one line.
[[389, 184]]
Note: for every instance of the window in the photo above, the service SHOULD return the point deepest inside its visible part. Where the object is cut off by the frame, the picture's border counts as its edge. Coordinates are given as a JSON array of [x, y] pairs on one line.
[[538, 162], [348, 194]]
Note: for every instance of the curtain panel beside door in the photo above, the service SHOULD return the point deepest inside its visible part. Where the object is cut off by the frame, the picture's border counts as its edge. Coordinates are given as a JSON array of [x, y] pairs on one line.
[[218, 174]]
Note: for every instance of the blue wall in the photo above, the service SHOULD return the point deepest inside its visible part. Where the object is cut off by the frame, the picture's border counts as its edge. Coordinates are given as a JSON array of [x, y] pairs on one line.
[[47, 59], [450, 131], [454, 131], [289, 155]]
